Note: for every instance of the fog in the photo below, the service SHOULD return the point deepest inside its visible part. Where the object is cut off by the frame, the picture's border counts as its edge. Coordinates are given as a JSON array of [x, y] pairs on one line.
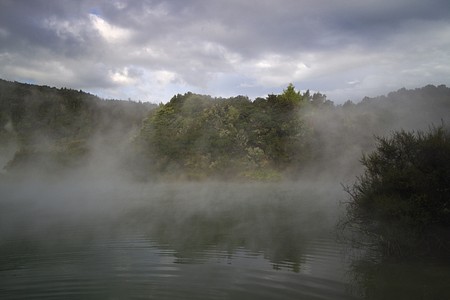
[[192, 219], [102, 184], [344, 133], [41, 204]]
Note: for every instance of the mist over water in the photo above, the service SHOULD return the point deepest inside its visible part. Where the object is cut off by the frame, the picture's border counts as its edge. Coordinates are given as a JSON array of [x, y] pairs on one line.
[[165, 240], [245, 208], [78, 237]]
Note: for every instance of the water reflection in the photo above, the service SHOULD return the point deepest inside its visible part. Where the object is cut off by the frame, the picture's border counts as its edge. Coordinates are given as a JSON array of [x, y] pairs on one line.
[[420, 279], [194, 241], [398, 262], [172, 241], [268, 222]]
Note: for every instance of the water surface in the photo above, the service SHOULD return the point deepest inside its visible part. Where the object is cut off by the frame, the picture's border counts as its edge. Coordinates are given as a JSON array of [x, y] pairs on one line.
[[181, 241]]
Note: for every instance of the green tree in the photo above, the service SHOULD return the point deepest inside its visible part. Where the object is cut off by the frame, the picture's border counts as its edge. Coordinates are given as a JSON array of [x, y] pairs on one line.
[[291, 96]]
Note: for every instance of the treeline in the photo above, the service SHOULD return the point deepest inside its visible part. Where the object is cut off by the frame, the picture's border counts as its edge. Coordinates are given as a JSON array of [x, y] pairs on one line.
[[197, 137], [52, 128], [285, 135]]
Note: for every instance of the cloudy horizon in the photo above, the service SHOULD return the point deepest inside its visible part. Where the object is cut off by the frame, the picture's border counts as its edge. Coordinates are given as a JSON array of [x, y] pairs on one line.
[[151, 50]]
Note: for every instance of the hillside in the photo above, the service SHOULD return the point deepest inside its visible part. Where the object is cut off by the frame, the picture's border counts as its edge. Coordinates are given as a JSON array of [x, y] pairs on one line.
[[53, 128]]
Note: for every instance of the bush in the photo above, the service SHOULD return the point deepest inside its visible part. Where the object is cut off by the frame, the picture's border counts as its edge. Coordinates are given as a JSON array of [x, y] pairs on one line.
[[405, 190]]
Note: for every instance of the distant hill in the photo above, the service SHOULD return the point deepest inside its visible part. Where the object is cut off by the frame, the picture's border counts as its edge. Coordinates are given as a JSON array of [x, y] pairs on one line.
[[58, 126], [343, 133]]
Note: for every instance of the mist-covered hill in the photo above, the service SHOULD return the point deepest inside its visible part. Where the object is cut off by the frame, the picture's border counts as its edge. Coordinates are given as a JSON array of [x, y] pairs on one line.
[[49, 129], [293, 134]]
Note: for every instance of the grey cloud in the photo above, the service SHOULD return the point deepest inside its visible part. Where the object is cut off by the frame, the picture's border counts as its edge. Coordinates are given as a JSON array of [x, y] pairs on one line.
[[198, 41], [32, 26]]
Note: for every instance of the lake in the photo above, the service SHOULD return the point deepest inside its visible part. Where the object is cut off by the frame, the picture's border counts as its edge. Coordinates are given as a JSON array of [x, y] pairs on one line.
[[84, 239]]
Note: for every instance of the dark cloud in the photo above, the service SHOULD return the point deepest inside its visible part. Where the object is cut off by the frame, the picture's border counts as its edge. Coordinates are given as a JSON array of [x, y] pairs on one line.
[[153, 49]]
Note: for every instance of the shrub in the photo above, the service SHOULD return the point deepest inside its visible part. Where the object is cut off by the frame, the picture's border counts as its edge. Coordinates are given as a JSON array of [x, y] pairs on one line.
[[405, 190]]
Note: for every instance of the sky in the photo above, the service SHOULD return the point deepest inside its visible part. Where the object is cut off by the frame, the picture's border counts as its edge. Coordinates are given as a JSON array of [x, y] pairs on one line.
[[152, 50]]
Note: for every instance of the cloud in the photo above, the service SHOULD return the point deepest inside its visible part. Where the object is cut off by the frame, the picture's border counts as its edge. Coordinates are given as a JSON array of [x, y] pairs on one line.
[[154, 49], [112, 34]]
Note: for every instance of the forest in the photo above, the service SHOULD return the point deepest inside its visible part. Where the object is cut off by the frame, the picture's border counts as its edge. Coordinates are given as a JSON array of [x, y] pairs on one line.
[[198, 137]]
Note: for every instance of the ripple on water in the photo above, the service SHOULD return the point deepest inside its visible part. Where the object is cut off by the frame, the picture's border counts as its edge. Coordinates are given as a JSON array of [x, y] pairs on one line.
[[133, 266]]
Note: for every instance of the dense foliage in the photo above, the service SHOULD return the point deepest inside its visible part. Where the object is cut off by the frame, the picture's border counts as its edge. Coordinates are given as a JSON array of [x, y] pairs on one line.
[[405, 190], [194, 136], [200, 136]]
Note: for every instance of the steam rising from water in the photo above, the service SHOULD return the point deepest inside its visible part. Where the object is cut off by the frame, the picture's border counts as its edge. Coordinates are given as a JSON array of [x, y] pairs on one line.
[[36, 204], [275, 225]]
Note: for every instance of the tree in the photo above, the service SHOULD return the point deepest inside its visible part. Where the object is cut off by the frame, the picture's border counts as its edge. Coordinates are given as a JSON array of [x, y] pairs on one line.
[[291, 96]]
